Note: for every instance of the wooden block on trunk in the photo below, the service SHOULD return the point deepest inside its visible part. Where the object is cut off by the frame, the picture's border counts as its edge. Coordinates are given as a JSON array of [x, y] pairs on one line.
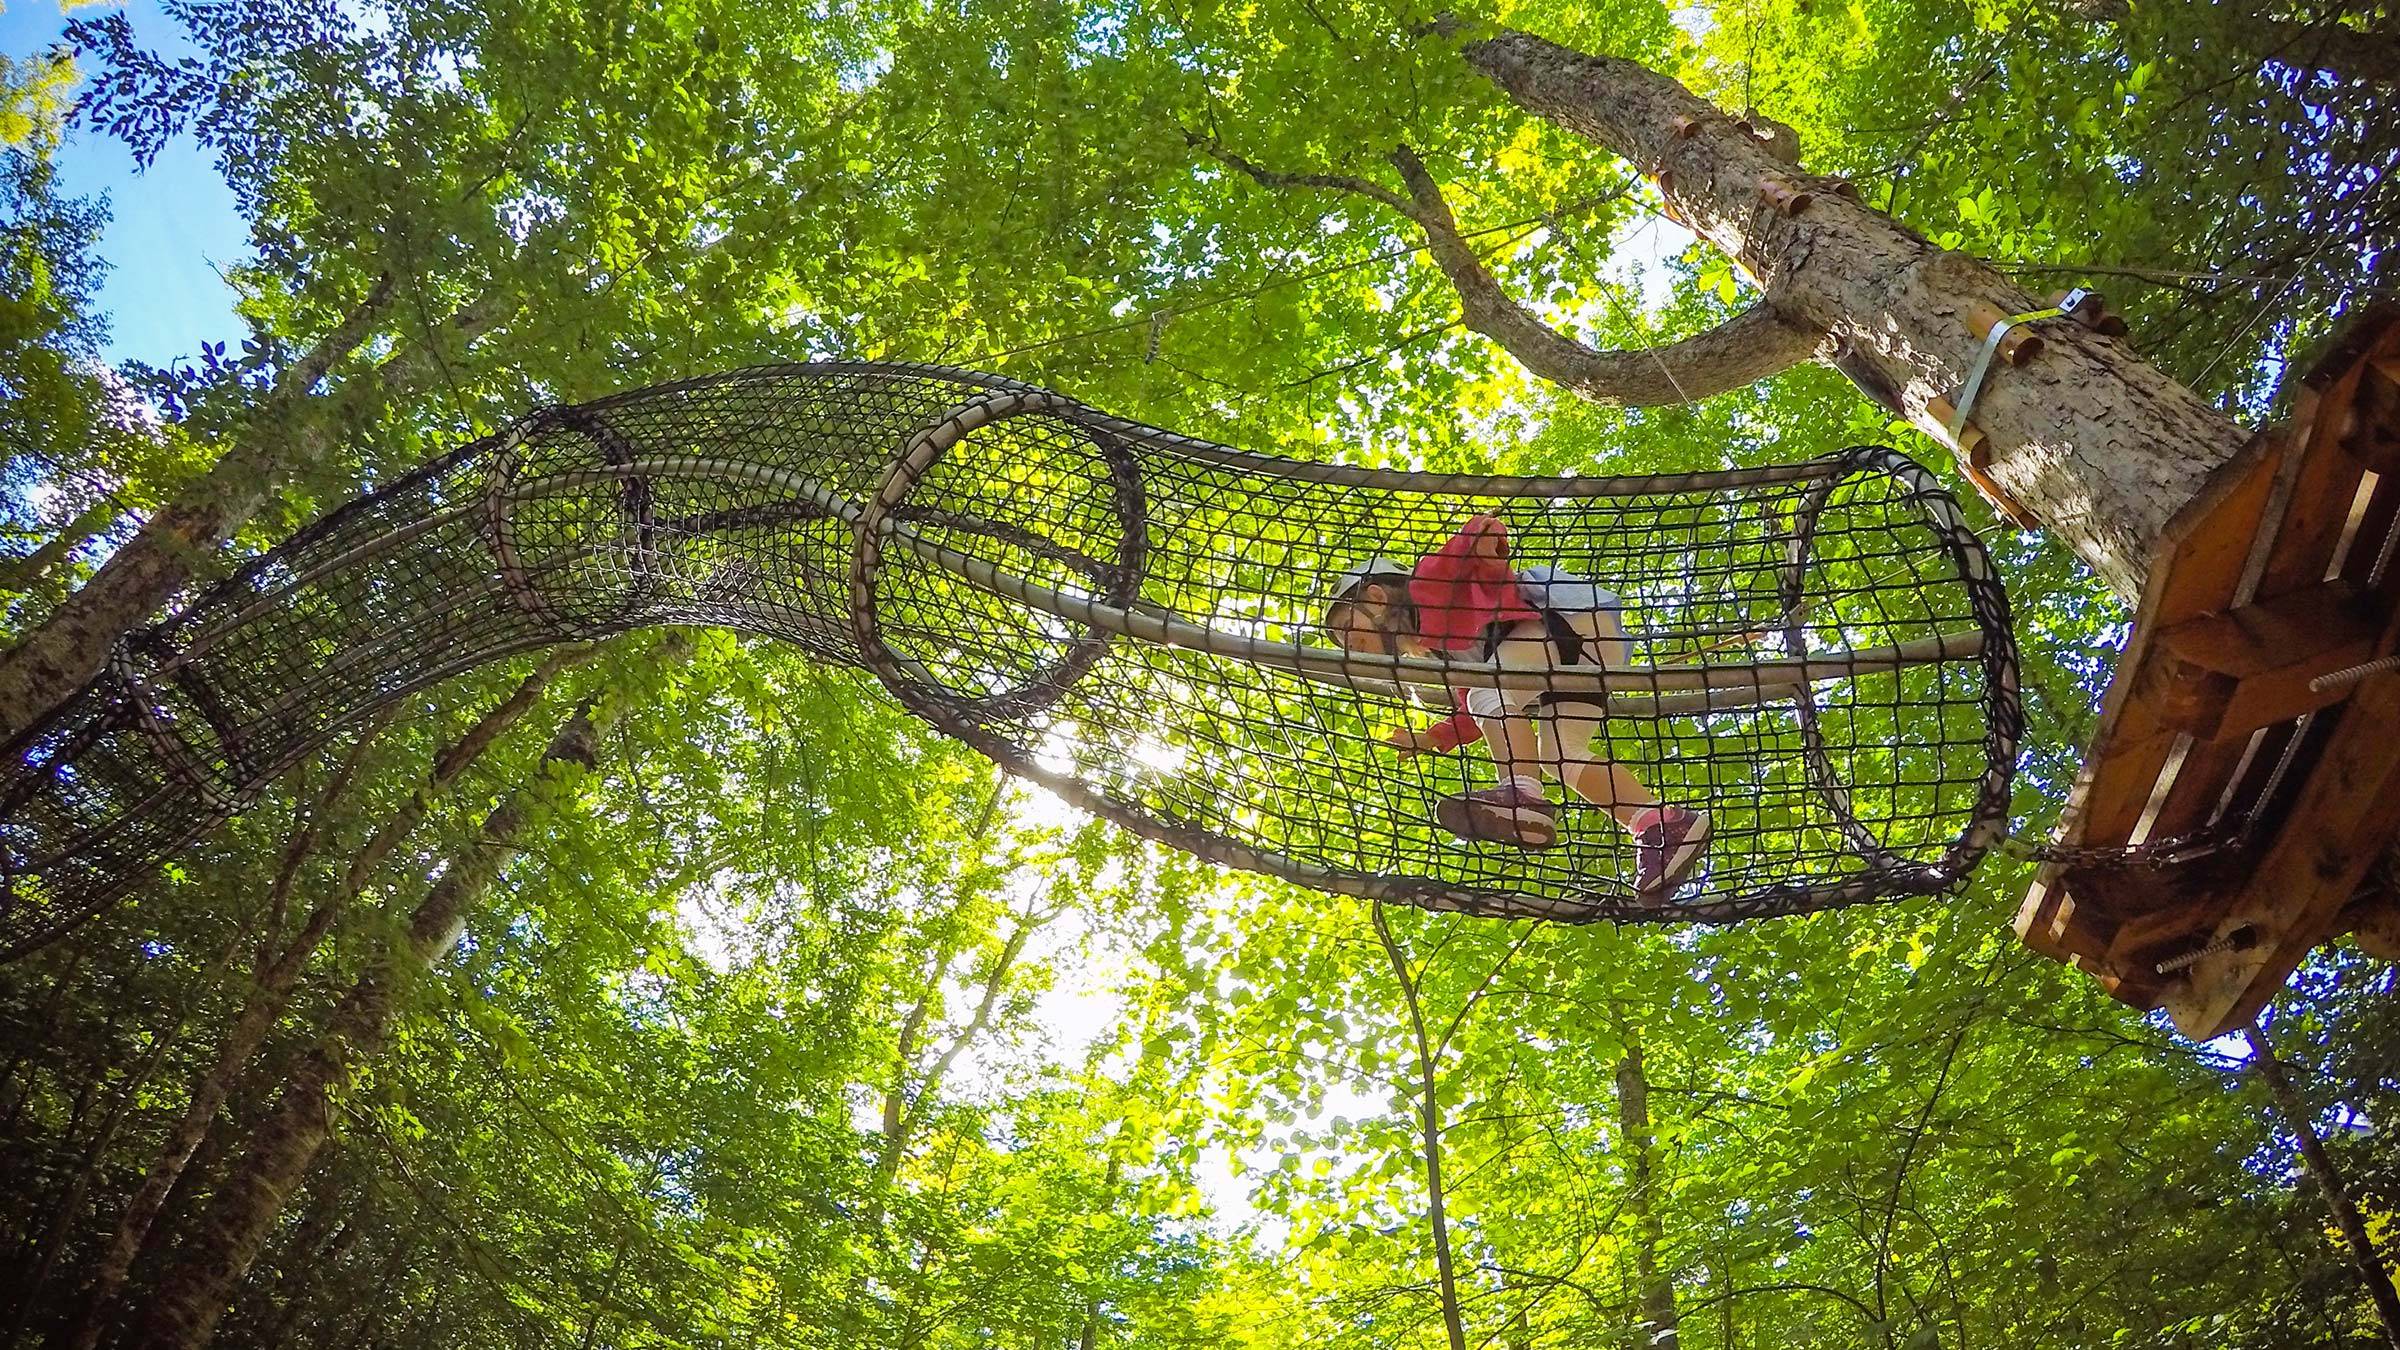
[[1785, 198], [1974, 460], [2021, 344]]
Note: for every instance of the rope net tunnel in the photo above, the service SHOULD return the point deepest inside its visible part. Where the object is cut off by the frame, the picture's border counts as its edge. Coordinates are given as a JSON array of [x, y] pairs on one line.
[[1817, 656]]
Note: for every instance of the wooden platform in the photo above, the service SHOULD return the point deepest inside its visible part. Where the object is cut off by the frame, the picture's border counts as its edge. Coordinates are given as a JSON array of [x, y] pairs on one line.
[[2287, 797]]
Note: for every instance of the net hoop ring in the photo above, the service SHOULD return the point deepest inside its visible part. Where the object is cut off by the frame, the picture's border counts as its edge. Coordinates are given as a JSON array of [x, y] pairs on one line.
[[635, 505], [1120, 585], [2003, 715]]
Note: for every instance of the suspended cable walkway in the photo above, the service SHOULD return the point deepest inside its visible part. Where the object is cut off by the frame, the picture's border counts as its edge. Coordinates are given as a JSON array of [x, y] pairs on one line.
[[1818, 655]]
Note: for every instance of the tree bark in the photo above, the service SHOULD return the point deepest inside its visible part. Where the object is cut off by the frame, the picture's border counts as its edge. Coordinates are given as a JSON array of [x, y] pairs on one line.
[[68, 648], [1660, 1328], [2321, 1169], [168, 1032], [270, 989], [2099, 444], [192, 1297], [21, 575]]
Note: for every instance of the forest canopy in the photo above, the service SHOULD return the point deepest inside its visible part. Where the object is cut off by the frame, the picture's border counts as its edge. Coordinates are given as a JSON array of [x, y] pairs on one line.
[[678, 990]]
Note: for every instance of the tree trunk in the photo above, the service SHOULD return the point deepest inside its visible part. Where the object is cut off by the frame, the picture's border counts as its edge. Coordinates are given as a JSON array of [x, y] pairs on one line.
[[270, 989], [1659, 1328], [911, 1086], [326, 1232], [2303, 1125], [193, 1296], [21, 575], [301, 1282], [2099, 444], [21, 1056], [55, 659], [95, 1156], [1429, 1137], [68, 648]]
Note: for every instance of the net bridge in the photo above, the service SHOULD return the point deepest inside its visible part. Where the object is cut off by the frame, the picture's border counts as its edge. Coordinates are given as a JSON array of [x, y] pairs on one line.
[[1816, 655]]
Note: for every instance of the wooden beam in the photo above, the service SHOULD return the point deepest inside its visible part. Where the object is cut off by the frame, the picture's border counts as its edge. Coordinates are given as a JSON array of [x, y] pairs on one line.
[[2344, 818], [2374, 924], [2201, 559], [2226, 675], [2373, 433]]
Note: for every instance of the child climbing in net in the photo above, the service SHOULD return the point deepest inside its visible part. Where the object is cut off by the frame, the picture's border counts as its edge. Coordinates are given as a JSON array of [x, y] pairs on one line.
[[1465, 598]]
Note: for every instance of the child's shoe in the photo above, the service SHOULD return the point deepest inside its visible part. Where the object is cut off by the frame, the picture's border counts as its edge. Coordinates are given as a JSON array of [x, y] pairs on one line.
[[1666, 842], [1507, 814]]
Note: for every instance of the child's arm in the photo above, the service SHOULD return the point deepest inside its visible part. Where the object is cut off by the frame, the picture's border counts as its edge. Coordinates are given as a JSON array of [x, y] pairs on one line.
[[1459, 728]]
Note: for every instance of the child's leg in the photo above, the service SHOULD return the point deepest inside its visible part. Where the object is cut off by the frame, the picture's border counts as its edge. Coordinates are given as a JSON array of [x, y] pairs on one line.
[[1564, 735], [1515, 810], [1557, 737], [1516, 749], [1668, 840]]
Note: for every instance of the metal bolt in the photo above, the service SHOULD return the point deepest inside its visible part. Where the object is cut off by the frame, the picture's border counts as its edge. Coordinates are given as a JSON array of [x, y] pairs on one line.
[[2238, 940], [2335, 679]]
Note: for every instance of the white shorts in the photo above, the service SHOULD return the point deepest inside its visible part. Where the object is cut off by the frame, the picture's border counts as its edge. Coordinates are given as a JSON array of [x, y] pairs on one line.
[[1527, 646]]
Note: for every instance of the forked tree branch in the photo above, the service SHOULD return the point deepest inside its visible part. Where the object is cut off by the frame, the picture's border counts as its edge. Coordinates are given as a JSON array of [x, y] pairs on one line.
[[1749, 347], [1759, 342]]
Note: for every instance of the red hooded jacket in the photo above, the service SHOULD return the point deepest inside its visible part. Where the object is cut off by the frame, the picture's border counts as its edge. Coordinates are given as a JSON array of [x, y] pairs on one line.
[[1460, 592]]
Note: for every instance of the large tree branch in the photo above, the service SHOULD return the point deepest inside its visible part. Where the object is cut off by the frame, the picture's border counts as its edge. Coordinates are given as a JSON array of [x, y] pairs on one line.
[[1270, 178], [1759, 342], [2101, 446], [69, 647], [1755, 344]]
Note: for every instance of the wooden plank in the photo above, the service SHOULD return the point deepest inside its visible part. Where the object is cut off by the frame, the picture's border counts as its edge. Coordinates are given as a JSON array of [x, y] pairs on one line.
[[2226, 675], [2200, 563], [2344, 819], [2372, 435], [2206, 545], [2266, 527], [2200, 558], [2374, 924], [2322, 493], [2362, 339], [2140, 944], [2272, 517]]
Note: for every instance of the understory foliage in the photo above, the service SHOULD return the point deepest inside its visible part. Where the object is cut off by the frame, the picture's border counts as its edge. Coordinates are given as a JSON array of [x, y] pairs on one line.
[[777, 1020]]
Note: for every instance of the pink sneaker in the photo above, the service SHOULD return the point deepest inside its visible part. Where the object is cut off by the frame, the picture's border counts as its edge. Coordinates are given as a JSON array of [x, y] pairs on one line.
[[1665, 849], [1506, 814]]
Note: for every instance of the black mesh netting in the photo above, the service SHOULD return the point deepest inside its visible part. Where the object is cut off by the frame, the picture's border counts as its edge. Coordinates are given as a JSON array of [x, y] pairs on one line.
[[1818, 656]]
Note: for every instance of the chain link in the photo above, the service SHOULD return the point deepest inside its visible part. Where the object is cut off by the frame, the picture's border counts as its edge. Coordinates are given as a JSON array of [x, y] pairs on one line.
[[2157, 854]]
